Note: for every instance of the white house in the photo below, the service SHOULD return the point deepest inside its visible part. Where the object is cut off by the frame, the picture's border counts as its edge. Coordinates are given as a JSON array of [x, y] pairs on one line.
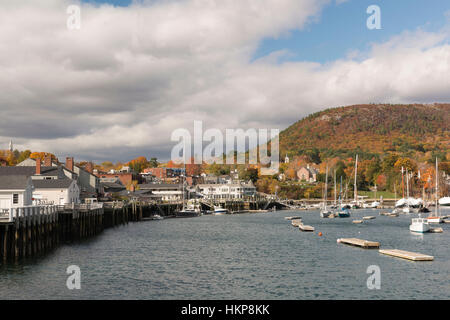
[[15, 190], [56, 191]]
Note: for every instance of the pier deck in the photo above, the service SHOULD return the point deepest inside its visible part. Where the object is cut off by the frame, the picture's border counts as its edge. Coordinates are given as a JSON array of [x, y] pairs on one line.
[[366, 244], [413, 256]]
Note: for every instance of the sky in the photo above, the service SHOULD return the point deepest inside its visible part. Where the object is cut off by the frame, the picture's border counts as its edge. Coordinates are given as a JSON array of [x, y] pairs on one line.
[[135, 71]]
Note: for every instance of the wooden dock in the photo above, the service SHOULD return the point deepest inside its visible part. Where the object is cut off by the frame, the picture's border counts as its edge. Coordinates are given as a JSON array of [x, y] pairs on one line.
[[413, 256], [292, 218], [306, 228], [366, 244]]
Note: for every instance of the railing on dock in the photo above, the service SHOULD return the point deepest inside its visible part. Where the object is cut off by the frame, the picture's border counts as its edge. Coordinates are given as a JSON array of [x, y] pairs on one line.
[[9, 215]]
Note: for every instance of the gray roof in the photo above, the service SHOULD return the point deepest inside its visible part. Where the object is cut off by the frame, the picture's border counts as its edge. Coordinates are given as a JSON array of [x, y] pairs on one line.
[[13, 182], [28, 171], [52, 183], [160, 186]]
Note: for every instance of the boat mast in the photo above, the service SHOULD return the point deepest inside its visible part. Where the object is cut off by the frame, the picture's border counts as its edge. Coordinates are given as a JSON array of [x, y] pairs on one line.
[[355, 188], [326, 188], [335, 187], [407, 184], [437, 188], [403, 185]]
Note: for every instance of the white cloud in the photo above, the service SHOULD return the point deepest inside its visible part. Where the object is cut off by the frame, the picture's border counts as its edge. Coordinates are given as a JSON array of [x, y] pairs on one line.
[[131, 75]]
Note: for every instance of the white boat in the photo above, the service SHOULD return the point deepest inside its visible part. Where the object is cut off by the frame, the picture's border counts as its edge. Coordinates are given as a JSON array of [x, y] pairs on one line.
[[218, 210], [409, 202], [445, 201], [406, 210], [374, 204], [420, 225], [324, 212], [157, 217], [434, 219]]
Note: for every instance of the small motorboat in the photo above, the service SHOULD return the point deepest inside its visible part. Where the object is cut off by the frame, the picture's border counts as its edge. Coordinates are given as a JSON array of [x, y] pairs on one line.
[[420, 225], [344, 213], [218, 210]]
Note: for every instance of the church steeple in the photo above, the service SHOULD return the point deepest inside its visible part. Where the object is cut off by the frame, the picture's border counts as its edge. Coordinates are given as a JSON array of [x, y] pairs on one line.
[[10, 146], [286, 159]]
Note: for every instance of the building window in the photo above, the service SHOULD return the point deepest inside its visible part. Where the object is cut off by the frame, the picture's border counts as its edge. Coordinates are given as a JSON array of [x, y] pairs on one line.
[[15, 198]]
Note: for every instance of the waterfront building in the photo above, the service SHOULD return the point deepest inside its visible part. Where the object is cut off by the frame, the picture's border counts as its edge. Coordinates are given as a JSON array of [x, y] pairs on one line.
[[88, 183], [238, 190], [15, 189], [46, 184], [164, 191], [55, 191]]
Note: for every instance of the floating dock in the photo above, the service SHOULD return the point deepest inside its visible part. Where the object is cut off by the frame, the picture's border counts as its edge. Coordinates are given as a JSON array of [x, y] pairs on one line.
[[436, 230], [366, 244], [306, 228], [413, 256], [292, 218]]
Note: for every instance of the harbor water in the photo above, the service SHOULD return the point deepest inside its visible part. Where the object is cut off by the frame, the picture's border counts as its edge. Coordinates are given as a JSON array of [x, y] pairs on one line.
[[244, 256]]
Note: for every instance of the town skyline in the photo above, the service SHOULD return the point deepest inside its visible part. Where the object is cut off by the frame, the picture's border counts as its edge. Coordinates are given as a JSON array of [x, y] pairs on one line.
[[128, 77]]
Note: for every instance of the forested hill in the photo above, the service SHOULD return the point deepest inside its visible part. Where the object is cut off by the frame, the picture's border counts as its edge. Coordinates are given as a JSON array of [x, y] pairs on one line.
[[370, 129]]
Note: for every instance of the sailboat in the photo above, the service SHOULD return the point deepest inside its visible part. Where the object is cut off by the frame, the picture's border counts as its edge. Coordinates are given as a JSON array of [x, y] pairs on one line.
[[407, 208], [191, 209], [437, 216], [334, 206], [324, 212], [345, 212]]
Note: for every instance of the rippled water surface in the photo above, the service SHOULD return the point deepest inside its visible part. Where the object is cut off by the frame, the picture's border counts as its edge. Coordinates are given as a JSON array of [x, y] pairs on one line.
[[247, 256]]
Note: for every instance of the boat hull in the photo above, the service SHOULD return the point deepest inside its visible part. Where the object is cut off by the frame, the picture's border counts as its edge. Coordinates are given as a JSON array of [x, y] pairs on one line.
[[434, 220]]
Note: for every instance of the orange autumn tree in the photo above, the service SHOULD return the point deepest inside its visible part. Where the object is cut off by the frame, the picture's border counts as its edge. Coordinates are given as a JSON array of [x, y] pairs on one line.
[[41, 155]]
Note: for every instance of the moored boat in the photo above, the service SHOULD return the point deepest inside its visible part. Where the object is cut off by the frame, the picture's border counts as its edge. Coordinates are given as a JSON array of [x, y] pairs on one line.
[[420, 225]]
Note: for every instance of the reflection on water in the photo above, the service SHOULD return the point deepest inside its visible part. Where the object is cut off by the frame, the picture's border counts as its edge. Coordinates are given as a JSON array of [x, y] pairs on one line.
[[249, 256]]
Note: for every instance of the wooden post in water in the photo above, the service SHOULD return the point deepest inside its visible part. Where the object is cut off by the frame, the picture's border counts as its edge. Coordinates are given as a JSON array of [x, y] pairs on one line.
[[5, 244]]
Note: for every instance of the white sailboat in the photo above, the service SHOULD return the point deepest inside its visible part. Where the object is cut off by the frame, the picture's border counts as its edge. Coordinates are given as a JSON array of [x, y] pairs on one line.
[[437, 215], [324, 212]]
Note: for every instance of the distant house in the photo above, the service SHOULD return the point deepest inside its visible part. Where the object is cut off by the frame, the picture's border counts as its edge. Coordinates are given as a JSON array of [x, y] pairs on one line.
[[111, 185], [307, 173]]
